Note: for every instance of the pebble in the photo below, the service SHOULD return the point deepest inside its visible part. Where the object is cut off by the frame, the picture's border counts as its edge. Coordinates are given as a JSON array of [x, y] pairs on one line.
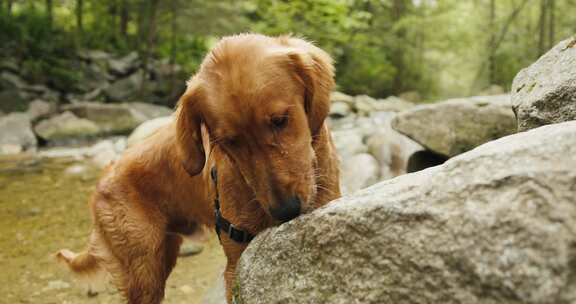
[[188, 249], [186, 289], [75, 170], [57, 285]]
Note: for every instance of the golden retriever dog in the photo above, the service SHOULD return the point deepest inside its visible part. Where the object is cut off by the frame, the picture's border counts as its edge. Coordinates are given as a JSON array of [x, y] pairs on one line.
[[254, 115]]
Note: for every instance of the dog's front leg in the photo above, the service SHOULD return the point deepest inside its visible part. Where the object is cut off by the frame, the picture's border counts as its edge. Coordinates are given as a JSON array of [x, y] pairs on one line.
[[233, 252]]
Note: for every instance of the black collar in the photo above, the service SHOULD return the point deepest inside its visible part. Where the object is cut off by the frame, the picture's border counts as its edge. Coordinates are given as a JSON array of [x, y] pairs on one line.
[[222, 224]]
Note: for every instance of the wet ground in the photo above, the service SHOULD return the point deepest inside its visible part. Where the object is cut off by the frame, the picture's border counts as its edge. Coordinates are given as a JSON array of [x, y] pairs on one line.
[[43, 208]]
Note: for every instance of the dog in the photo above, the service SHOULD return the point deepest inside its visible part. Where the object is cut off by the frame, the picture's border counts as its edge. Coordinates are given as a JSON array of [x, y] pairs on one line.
[[249, 148]]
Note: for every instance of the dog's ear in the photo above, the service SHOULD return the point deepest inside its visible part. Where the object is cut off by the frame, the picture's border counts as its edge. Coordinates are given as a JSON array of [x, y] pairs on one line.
[[314, 67], [188, 130]]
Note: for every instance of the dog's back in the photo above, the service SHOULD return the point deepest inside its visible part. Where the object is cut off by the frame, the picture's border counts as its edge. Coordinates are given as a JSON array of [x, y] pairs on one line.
[[144, 188]]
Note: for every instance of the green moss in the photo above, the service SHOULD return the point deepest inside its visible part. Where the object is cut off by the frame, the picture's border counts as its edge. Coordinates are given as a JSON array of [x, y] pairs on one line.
[[236, 298]]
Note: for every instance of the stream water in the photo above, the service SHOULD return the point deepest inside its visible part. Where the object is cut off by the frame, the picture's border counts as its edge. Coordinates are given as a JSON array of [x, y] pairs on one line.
[[43, 208]]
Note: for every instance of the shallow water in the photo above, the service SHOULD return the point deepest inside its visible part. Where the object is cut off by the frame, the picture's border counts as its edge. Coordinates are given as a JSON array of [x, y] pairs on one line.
[[43, 209]]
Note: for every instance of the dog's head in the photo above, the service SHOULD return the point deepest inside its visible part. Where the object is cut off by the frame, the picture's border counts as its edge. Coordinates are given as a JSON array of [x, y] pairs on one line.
[[263, 101]]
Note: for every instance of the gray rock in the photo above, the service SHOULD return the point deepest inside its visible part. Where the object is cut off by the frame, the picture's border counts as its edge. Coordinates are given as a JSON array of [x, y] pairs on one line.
[[12, 80], [8, 64], [94, 77], [348, 142], [36, 89], [457, 125], [545, 92], [364, 105], [392, 151], [341, 97], [40, 108], [16, 134], [117, 118], [339, 109], [76, 170], [124, 89], [66, 127], [56, 285], [189, 248], [150, 111], [94, 55], [103, 153], [411, 96], [392, 104], [148, 128], [494, 225], [342, 123], [357, 172], [51, 96], [125, 65]]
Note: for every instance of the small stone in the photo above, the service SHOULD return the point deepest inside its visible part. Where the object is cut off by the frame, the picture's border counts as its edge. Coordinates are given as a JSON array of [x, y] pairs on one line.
[[57, 285], [34, 211], [76, 170], [186, 289], [188, 249]]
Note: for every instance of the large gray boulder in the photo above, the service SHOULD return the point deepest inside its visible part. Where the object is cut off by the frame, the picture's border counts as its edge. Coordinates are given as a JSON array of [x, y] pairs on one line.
[[358, 171], [16, 134], [349, 142], [66, 127], [494, 225], [391, 149], [545, 92], [117, 118], [457, 125]]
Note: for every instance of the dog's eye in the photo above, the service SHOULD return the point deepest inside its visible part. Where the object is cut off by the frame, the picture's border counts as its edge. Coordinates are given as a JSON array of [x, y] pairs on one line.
[[279, 122], [232, 142]]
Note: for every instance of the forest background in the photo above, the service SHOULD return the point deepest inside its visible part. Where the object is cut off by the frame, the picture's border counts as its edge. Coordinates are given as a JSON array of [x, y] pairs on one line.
[[433, 49]]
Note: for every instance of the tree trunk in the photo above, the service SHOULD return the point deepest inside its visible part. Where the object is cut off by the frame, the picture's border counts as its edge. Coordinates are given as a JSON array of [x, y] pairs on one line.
[[542, 27], [551, 23], [173, 30], [49, 12], [173, 46], [79, 16], [397, 55], [150, 41], [124, 18], [113, 13], [141, 26], [492, 44]]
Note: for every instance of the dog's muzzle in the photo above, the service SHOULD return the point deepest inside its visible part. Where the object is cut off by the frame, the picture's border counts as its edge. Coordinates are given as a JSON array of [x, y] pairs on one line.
[[288, 209]]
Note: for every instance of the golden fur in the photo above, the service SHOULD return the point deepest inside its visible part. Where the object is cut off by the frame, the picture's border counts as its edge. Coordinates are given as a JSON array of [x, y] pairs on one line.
[[256, 110]]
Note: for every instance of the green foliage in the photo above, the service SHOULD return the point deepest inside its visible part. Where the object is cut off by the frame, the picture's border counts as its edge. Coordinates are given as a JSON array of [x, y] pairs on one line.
[[381, 47]]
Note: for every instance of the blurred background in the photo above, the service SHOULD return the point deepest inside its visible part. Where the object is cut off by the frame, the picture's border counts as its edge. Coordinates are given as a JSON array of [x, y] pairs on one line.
[[418, 82], [424, 49]]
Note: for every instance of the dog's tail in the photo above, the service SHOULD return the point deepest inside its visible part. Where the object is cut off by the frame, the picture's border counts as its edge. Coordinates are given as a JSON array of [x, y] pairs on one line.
[[86, 267], [81, 264]]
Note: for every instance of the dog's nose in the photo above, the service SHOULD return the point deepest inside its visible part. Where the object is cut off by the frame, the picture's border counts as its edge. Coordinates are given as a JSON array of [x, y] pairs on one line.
[[287, 209]]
